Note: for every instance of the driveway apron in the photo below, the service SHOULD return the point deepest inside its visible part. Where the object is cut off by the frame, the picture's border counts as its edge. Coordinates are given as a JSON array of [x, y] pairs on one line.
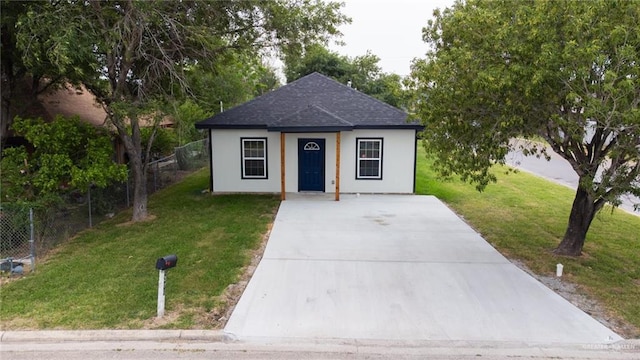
[[398, 268]]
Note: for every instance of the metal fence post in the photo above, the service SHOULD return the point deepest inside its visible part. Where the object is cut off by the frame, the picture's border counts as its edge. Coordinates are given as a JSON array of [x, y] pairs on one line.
[[127, 186], [155, 178], [32, 242], [89, 205]]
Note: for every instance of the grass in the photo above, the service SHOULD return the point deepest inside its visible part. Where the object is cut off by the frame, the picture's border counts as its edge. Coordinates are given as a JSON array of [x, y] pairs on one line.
[[106, 277], [524, 217]]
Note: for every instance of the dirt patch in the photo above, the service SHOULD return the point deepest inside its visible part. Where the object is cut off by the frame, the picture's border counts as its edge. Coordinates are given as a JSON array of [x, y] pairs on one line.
[[168, 318], [18, 324], [572, 293], [149, 218]]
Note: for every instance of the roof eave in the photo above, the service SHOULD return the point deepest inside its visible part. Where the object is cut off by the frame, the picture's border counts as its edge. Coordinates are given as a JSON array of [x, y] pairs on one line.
[[391, 127], [305, 129], [230, 126]]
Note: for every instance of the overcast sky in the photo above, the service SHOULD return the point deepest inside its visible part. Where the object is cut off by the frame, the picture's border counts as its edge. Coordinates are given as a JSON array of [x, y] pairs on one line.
[[391, 29]]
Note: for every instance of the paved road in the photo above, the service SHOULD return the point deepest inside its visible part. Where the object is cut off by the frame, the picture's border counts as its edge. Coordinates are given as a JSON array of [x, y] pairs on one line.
[[396, 268], [170, 344], [559, 170]]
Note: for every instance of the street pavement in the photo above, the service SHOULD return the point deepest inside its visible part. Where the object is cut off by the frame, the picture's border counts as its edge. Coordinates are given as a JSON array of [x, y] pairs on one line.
[[558, 170], [399, 268], [203, 344]]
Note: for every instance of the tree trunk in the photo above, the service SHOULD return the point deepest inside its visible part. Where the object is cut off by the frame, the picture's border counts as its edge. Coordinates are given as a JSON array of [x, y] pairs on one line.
[[582, 213], [139, 189], [136, 165], [5, 122]]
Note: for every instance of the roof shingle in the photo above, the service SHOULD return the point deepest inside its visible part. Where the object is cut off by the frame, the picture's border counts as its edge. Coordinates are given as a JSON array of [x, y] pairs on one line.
[[312, 103]]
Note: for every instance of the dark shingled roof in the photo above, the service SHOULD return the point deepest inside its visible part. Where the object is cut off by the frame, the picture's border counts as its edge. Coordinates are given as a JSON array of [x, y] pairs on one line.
[[311, 103]]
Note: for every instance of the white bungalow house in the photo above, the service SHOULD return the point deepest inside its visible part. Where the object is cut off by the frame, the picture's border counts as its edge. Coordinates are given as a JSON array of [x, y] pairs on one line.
[[312, 135]]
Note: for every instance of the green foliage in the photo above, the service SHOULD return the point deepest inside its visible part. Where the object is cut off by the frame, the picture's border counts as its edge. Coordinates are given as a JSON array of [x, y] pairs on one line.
[[563, 70], [233, 81], [67, 154], [29, 64], [362, 72], [318, 58], [566, 71], [138, 52], [163, 143], [185, 116], [388, 88]]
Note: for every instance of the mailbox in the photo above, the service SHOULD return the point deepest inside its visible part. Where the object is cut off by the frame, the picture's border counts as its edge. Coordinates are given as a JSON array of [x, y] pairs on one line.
[[166, 262]]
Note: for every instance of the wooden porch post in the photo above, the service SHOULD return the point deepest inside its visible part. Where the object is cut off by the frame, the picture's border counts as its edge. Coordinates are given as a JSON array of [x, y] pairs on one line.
[[282, 169], [338, 166]]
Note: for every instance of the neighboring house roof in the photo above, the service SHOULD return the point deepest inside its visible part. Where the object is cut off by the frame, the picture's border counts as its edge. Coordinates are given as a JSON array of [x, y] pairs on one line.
[[70, 101], [312, 103]]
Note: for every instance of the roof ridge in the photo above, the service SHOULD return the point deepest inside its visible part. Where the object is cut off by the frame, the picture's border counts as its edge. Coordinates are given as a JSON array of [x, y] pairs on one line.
[[355, 90], [330, 113], [303, 109]]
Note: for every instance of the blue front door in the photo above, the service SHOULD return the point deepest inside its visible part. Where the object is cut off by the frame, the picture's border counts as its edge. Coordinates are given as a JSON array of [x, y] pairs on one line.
[[310, 164]]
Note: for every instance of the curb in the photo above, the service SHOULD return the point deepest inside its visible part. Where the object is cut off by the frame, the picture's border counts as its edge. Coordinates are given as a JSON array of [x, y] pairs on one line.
[[113, 335], [631, 343]]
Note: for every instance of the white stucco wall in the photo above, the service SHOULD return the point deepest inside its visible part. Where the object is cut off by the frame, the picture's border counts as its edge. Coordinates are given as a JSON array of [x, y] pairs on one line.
[[226, 157], [398, 157]]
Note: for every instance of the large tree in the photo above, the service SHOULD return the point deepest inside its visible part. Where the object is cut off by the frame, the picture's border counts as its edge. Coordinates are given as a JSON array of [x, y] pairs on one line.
[[22, 83], [139, 52], [564, 71]]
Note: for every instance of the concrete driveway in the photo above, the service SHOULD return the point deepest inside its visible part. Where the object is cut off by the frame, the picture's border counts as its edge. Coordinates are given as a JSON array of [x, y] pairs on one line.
[[396, 268]]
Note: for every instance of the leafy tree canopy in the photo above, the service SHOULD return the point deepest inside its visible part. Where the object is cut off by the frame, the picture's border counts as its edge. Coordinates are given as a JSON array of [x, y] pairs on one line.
[[565, 71], [22, 77], [134, 55], [231, 82], [67, 154], [361, 72]]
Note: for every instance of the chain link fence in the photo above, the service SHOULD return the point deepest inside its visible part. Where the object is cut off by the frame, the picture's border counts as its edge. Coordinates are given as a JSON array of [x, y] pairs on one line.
[[29, 233], [193, 155], [17, 249]]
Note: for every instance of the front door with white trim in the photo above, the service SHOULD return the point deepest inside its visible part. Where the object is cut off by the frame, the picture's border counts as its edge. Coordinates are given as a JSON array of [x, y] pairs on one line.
[[311, 155]]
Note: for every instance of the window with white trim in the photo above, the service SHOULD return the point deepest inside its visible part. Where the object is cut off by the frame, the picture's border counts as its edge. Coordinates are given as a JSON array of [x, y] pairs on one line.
[[254, 158], [369, 155]]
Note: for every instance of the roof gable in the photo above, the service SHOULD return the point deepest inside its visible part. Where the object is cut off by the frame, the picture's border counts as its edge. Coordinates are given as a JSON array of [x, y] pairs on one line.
[[312, 102]]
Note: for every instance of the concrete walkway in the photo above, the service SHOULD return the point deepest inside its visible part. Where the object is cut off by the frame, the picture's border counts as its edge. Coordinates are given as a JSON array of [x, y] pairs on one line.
[[396, 268]]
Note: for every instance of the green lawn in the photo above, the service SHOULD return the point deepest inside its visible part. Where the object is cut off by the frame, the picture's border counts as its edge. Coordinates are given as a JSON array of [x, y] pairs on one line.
[[106, 277], [525, 217]]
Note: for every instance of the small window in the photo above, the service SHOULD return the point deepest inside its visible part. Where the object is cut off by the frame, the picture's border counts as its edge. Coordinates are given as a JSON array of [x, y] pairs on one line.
[[254, 158], [311, 146], [369, 155]]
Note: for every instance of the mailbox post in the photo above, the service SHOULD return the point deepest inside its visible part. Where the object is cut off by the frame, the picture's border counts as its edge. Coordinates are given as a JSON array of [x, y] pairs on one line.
[[163, 264]]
